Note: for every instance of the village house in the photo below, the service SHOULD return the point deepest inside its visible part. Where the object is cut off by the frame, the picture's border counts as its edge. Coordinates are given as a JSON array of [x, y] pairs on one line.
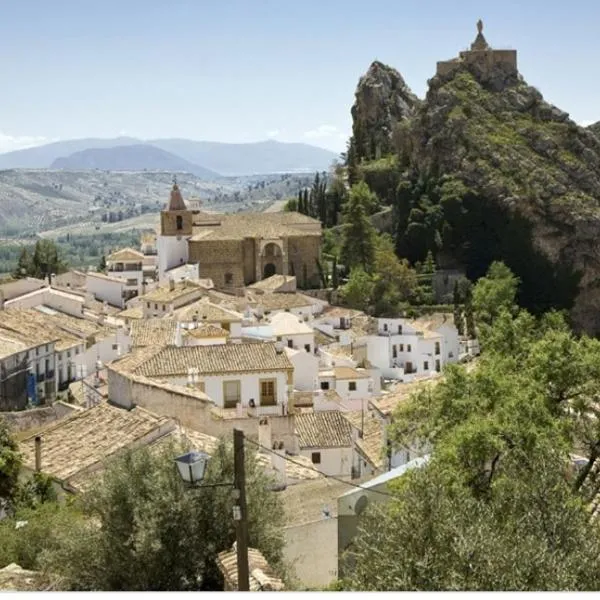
[[166, 300], [66, 302], [250, 375], [404, 349], [285, 328], [326, 439], [234, 250], [203, 312], [306, 369], [127, 264], [107, 288], [352, 385], [268, 304]]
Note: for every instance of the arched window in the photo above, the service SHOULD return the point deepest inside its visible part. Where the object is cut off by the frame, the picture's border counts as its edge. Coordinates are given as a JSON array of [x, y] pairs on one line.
[[179, 221]]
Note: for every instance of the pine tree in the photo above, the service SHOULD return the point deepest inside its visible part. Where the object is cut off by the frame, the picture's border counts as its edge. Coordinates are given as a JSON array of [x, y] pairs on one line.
[[458, 312], [24, 265], [358, 234], [102, 264]]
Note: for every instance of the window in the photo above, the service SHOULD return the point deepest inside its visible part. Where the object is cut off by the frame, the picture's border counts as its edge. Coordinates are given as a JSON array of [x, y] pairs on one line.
[[395, 351], [401, 347], [425, 366], [267, 392], [156, 307], [315, 457], [179, 221], [437, 347], [385, 327], [399, 329], [437, 365], [148, 304], [307, 347], [228, 278], [68, 354], [231, 393], [352, 386], [164, 307], [408, 348], [115, 346], [290, 343], [37, 351], [47, 366], [76, 351], [324, 385], [46, 347]]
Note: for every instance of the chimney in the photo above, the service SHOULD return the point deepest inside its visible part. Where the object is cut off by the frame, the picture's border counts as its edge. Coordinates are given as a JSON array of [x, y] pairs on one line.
[[278, 347], [38, 453], [278, 462], [171, 284]]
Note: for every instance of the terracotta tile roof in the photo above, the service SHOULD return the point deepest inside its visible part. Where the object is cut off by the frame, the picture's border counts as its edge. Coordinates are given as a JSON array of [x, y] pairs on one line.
[[207, 331], [204, 311], [217, 359], [10, 344], [86, 438], [326, 429], [135, 312], [132, 361], [349, 373], [153, 332], [125, 255], [261, 576], [253, 225], [166, 294], [271, 284], [370, 444], [387, 402], [280, 300]]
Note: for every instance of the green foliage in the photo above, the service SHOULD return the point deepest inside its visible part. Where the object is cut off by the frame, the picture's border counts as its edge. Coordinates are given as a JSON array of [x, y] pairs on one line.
[[499, 482], [146, 532], [495, 292], [382, 176], [10, 465], [358, 291], [358, 234], [40, 530]]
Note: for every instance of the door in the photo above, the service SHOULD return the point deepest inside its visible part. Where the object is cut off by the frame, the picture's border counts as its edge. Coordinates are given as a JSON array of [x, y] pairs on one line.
[[267, 392]]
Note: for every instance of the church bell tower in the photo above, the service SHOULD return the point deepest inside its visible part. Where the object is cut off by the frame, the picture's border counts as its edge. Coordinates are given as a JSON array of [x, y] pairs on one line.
[[176, 224]]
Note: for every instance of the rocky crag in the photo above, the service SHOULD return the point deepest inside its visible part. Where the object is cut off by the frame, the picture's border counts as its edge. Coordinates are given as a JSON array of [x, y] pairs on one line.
[[484, 169]]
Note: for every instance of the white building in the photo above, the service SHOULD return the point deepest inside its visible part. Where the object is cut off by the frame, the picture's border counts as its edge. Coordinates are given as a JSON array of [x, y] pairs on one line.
[[106, 288], [171, 244], [306, 369], [165, 300], [326, 439], [203, 312], [292, 332], [350, 383], [245, 375], [404, 349], [127, 264], [65, 302]]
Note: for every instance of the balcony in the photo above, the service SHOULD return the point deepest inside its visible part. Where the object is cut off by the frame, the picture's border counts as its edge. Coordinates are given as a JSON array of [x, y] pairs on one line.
[[40, 377], [49, 374]]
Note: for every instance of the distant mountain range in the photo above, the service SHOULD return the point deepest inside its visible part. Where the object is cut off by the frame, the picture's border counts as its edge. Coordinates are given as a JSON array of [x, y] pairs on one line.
[[207, 160]]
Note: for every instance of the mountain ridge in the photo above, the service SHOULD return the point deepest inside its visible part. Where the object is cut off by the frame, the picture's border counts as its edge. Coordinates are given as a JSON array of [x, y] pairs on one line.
[[252, 158]]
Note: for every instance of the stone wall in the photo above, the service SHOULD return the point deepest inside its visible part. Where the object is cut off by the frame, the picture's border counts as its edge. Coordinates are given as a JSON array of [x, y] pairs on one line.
[[218, 258], [303, 253], [37, 418], [168, 222]]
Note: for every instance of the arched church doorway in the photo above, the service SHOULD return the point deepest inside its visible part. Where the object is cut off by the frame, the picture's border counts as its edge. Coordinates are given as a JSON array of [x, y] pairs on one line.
[[269, 270]]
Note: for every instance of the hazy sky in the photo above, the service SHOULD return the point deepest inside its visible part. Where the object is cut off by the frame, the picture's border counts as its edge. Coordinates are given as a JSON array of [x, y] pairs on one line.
[[246, 70]]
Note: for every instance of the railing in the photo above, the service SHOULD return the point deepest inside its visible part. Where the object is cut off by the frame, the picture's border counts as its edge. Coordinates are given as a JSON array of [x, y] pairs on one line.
[[40, 377]]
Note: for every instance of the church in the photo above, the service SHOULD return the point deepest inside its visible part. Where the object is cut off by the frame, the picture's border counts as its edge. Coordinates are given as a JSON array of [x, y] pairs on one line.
[[235, 250]]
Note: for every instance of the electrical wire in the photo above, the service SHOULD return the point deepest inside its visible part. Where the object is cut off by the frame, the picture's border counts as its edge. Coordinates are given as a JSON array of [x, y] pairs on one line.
[[349, 483]]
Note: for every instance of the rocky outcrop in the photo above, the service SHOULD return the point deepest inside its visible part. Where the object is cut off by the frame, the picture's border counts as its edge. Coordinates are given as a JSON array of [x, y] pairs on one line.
[[382, 100], [497, 173]]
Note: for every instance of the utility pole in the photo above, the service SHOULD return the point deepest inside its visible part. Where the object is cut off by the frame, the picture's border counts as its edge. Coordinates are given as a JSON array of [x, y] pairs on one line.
[[239, 511]]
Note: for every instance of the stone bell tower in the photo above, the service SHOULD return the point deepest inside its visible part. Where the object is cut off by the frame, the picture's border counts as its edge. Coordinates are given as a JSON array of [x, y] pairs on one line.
[[176, 223]]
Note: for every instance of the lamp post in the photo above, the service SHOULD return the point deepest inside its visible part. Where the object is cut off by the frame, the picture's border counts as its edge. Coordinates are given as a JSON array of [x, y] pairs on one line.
[[192, 469]]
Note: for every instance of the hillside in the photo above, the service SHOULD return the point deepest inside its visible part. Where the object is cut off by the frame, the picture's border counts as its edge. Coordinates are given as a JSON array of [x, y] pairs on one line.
[[34, 201], [137, 157], [226, 159], [485, 169]]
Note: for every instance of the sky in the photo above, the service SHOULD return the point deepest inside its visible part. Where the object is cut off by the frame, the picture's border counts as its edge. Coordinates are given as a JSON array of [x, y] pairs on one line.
[[249, 70]]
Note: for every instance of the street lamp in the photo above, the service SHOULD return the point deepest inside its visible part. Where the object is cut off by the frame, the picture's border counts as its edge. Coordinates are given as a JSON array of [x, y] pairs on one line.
[[192, 469], [192, 466]]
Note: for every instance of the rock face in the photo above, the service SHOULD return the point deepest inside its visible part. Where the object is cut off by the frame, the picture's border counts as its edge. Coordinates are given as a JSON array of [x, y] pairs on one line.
[[382, 100], [493, 172]]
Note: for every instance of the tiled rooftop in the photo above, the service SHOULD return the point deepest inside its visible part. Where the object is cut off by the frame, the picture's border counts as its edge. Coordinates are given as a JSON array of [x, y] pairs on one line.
[[279, 300], [371, 442], [153, 332], [261, 576], [387, 402], [272, 283], [226, 358], [125, 255], [86, 438], [166, 294], [207, 331], [207, 312], [289, 324], [326, 429], [350, 373]]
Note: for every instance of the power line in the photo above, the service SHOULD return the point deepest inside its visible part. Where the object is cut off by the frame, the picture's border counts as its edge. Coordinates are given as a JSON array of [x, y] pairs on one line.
[[349, 483]]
